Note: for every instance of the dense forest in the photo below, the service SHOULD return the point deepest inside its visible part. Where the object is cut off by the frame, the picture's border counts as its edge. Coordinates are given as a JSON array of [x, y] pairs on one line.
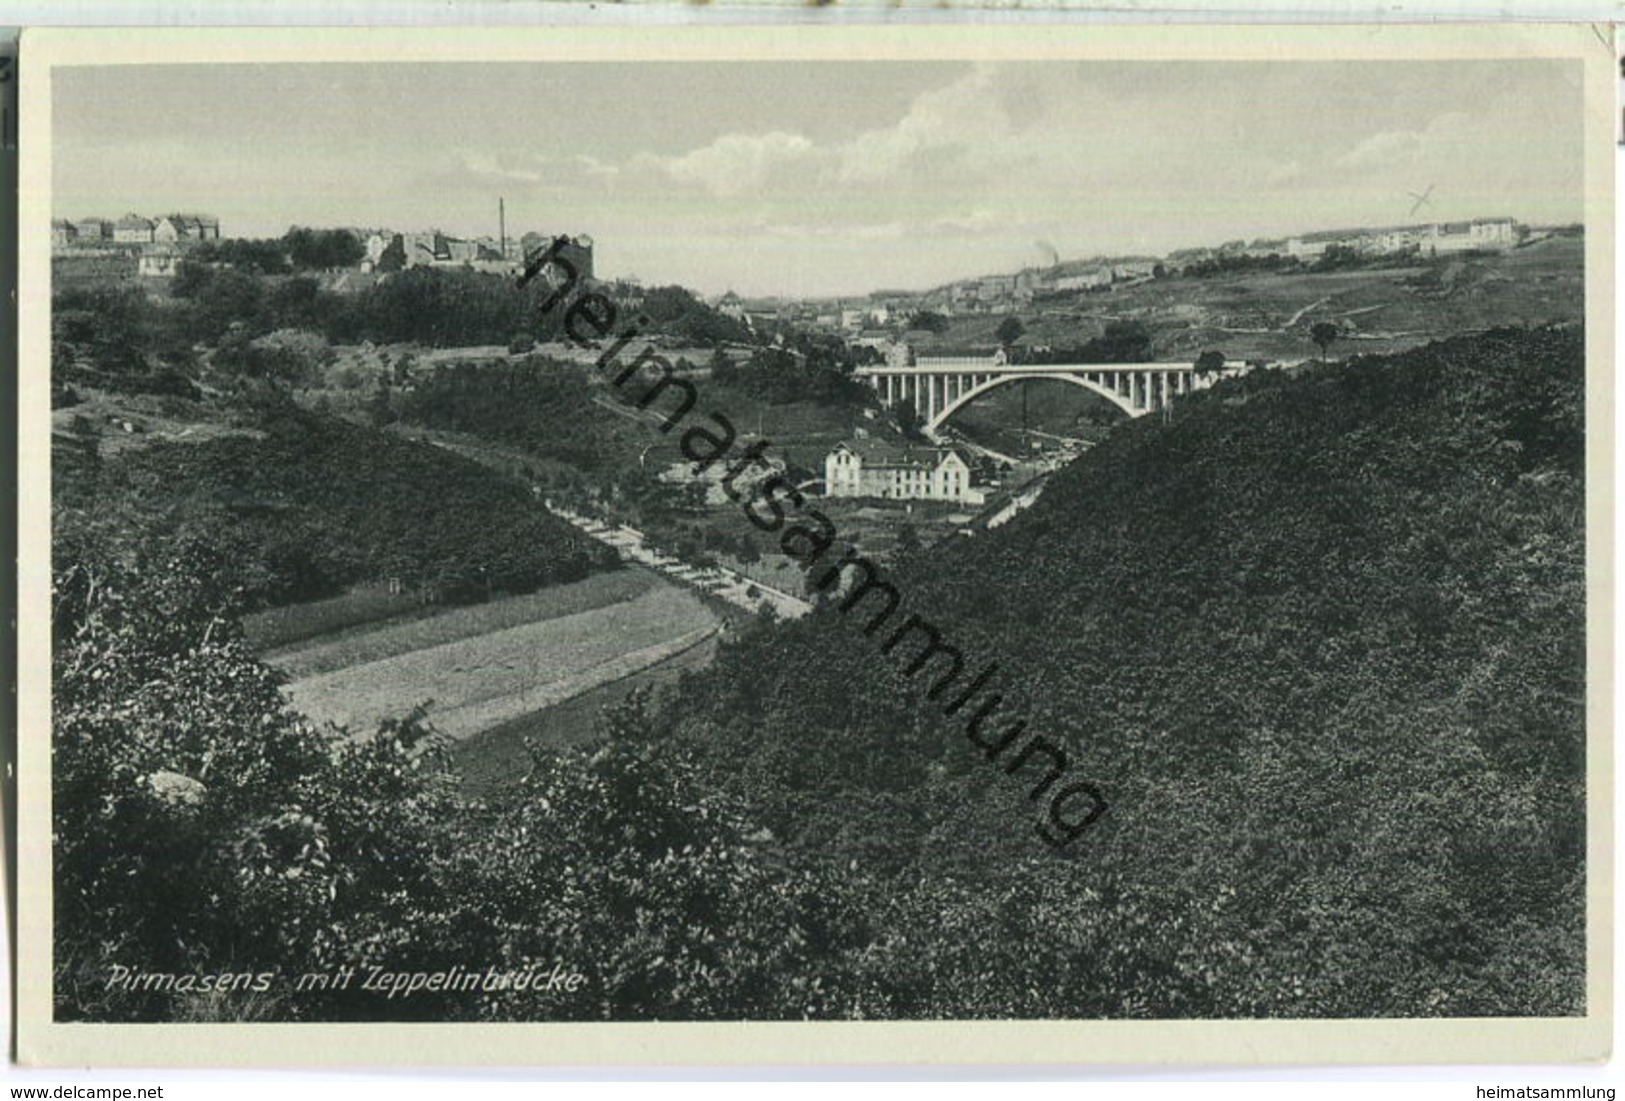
[[803, 370], [543, 406], [303, 505], [119, 337], [1318, 637], [1320, 640]]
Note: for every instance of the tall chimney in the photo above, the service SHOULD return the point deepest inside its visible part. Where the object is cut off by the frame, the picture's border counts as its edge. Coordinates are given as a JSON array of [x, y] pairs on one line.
[[502, 226]]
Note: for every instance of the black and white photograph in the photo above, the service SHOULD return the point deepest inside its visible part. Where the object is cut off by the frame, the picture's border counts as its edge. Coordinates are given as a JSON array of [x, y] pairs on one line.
[[600, 528]]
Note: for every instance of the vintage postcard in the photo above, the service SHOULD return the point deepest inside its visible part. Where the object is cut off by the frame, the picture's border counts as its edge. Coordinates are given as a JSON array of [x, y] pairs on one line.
[[802, 545]]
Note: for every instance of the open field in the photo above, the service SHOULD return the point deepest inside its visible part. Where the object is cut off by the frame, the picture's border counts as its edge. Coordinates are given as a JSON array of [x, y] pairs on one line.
[[477, 682], [1268, 315], [363, 608], [501, 754], [331, 652]]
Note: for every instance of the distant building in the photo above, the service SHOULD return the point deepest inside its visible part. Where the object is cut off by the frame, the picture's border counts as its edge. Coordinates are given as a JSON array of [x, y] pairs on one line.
[[901, 352], [133, 229], [186, 227], [92, 231], [425, 249], [1312, 246], [1265, 246], [731, 305], [159, 259], [1124, 270], [1401, 239], [1480, 234], [1084, 280], [576, 251], [739, 483], [872, 468]]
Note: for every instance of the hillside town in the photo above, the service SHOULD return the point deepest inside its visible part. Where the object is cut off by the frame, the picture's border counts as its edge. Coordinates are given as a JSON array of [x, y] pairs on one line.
[[153, 246], [1046, 539], [880, 327], [868, 317]]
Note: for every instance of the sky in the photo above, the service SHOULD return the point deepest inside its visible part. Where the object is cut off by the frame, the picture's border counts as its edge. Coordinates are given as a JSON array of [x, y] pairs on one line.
[[825, 178]]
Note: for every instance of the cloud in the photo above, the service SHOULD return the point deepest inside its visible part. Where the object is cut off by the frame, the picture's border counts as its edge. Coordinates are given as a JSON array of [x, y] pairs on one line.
[[1396, 148], [736, 164], [594, 167], [960, 117], [493, 167], [1385, 150]]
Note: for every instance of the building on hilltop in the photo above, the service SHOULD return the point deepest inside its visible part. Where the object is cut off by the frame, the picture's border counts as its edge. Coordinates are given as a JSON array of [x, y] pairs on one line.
[[387, 251], [576, 251], [86, 234], [1432, 239], [1084, 280], [92, 231], [133, 229], [1486, 234], [872, 468], [186, 227]]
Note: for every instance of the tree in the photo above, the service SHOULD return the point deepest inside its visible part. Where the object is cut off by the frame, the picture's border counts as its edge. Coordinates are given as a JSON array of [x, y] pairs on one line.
[[1010, 330], [930, 321], [287, 357], [908, 541], [229, 297], [1210, 363], [909, 421], [319, 249], [1120, 342], [393, 257], [1323, 334], [380, 407]]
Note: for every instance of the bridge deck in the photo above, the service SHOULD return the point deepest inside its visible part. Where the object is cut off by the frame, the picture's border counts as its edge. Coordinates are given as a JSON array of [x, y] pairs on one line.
[[965, 367]]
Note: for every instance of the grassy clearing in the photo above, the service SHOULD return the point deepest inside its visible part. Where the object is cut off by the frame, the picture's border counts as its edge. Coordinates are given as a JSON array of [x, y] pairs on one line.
[[330, 653], [281, 630], [1383, 309], [474, 683], [501, 754]]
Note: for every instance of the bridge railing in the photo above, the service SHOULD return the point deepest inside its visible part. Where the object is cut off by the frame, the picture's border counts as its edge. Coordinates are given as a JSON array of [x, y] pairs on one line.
[[957, 361], [982, 366]]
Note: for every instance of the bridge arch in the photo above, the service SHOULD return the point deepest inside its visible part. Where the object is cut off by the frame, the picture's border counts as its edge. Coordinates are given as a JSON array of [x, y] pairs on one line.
[[1122, 401]]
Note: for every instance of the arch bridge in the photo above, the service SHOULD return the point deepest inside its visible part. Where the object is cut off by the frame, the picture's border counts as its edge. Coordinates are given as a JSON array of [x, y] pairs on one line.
[[940, 387]]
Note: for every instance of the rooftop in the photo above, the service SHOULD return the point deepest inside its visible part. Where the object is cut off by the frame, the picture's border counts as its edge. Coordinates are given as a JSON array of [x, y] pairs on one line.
[[880, 453]]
